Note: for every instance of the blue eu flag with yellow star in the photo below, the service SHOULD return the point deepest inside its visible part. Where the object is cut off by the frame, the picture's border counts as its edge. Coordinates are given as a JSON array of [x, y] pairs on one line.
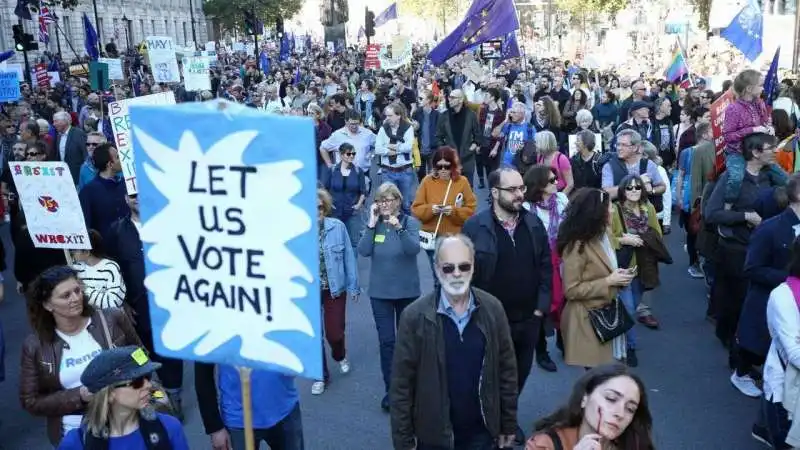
[[485, 20], [746, 30]]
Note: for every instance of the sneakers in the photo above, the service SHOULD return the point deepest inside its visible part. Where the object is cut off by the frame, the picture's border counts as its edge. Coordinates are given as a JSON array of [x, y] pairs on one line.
[[746, 385], [344, 366], [760, 434], [695, 272], [318, 388]]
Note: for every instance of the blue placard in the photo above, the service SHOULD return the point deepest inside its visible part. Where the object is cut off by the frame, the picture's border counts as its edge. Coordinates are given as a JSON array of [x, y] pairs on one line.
[[229, 224], [9, 86]]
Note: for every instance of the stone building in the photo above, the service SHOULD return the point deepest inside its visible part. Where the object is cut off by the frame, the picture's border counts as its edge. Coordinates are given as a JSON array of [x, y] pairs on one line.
[[121, 20]]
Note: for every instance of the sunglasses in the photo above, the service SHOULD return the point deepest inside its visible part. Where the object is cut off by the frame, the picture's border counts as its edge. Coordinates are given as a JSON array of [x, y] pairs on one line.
[[348, 154], [450, 268], [633, 188], [136, 383], [32, 154], [443, 167], [92, 144]]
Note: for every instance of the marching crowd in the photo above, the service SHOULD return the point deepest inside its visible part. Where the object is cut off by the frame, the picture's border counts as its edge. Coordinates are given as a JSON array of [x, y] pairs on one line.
[[582, 171]]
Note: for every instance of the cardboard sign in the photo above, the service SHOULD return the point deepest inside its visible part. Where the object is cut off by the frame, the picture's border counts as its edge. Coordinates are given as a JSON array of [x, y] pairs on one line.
[[163, 62], [195, 73], [40, 76], [52, 209], [121, 126], [717, 119], [114, 68], [573, 146], [228, 284], [9, 86], [371, 60], [78, 70]]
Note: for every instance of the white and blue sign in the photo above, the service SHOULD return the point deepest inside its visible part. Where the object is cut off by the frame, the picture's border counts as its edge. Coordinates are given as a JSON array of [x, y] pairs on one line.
[[9, 86], [228, 205]]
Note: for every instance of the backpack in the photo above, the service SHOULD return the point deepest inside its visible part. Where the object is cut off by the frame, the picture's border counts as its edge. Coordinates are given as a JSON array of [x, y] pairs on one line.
[[619, 172], [153, 432]]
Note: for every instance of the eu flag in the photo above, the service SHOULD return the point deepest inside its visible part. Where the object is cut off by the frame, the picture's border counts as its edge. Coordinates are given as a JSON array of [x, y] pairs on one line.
[[388, 14], [486, 19], [91, 38], [745, 31], [771, 85], [510, 48]]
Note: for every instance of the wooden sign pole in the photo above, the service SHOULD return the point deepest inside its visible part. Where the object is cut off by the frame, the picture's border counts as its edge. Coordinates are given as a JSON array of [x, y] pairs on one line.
[[247, 407]]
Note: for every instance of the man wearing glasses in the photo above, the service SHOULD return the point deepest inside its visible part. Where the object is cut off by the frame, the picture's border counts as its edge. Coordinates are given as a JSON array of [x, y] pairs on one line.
[[513, 264], [473, 395], [88, 171]]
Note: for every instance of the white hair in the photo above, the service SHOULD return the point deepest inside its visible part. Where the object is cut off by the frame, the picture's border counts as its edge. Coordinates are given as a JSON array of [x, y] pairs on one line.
[[43, 125], [583, 116], [62, 116]]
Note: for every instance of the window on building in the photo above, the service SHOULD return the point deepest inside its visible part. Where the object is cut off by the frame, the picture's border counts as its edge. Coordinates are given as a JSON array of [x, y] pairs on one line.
[[142, 30], [66, 27], [185, 36], [166, 28], [153, 25]]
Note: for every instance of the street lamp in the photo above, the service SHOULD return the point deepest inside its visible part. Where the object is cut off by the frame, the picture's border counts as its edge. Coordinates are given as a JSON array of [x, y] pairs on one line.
[[127, 23], [191, 17]]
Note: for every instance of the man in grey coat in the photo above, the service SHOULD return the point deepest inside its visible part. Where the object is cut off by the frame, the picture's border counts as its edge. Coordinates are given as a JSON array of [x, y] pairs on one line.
[[458, 128]]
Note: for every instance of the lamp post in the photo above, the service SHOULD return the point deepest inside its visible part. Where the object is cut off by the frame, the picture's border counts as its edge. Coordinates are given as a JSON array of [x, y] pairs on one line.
[[191, 17], [99, 31], [127, 23]]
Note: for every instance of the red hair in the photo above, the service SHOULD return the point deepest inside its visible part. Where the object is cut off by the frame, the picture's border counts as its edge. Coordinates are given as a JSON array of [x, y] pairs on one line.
[[450, 155]]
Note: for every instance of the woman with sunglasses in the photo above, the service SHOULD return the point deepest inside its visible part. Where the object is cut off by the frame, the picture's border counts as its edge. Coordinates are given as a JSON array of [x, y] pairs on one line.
[[444, 199], [633, 218], [67, 334], [591, 277], [347, 184], [543, 199], [120, 414]]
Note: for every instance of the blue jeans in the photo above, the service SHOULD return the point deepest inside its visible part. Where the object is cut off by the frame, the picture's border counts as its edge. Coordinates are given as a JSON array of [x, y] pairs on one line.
[[284, 435], [386, 313], [405, 183], [481, 440], [777, 422], [631, 296], [355, 226]]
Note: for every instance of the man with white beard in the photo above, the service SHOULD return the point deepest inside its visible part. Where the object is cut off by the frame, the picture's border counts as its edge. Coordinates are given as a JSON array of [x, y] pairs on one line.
[[454, 377]]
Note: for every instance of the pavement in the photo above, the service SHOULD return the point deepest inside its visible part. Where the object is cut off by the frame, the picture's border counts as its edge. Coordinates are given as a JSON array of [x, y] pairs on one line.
[[683, 366]]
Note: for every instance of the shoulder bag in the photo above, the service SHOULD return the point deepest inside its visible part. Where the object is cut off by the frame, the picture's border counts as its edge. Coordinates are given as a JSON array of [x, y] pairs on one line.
[[427, 240], [610, 321], [625, 252], [106, 332]]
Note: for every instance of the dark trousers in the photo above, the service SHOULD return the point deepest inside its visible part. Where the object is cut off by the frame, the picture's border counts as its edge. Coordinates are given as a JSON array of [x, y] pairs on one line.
[[729, 293], [745, 360], [477, 441], [541, 342], [777, 422], [485, 164], [468, 170], [386, 313], [691, 239], [333, 319], [171, 372], [424, 167], [524, 335], [284, 435]]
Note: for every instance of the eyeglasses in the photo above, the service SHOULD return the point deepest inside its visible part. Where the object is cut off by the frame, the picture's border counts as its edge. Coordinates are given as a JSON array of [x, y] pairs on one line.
[[136, 383], [385, 201], [521, 189], [633, 187], [552, 180], [349, 154], [443, 167], [448, 268]]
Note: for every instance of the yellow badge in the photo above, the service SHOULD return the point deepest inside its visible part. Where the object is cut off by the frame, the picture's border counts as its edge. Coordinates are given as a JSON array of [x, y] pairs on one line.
[[139, 356], [379, 238], [158, 394]]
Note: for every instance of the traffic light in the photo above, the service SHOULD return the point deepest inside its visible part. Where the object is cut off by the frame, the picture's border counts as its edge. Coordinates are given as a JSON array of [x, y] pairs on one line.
[[249, 23], [30, 42], [279, 26], [19, 38], [369, 23]]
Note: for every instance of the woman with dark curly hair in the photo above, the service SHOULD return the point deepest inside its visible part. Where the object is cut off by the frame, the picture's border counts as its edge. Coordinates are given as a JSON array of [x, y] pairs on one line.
[[608, 409], [67, 334], [591, 277]]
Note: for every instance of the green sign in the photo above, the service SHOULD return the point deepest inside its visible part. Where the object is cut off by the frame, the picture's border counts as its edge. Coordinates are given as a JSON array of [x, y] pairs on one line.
[[98, 76]]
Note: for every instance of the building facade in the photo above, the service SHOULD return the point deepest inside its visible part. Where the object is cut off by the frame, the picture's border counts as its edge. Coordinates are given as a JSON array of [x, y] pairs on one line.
[[144, 18]]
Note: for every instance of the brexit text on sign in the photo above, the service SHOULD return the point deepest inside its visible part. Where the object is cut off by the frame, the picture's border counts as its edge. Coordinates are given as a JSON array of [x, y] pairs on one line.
[[121, 127], [228, 207], [51, 206]]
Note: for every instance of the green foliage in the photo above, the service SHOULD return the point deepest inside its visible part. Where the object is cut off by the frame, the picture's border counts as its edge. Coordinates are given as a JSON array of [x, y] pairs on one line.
[[588, 8], [703, 9], [426, 8], [230, 13]]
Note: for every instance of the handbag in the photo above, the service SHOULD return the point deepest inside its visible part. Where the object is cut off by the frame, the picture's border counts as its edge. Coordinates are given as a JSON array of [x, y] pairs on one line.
[[610, 321], [427, 240]]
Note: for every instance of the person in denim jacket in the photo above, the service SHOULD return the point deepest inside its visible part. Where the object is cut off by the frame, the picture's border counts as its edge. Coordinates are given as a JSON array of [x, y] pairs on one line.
[[338, 277]]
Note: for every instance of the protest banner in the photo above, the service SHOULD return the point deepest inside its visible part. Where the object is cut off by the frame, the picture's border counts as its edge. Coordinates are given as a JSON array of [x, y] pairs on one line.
[[52, 210], [195, 73], [164, 63], [41, 76], [371, 60], [717, 119], [9, 86], [114, 68], [211, 46], [228, 283], [79, 70], [120, 126], [6, 66]]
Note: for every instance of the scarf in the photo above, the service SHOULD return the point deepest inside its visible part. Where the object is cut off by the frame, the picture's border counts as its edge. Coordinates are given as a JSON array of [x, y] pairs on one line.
[[554, 218]]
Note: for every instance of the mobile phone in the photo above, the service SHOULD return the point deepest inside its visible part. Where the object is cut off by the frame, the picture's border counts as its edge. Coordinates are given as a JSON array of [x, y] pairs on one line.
[[633, 270]]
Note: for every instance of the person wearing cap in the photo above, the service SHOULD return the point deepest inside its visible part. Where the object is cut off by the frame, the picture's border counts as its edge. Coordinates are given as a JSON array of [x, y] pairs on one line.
[[120, 414], [639, 120]]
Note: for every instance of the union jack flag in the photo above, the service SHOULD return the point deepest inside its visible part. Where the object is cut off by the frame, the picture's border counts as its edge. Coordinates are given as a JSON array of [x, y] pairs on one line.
[[46, 17]]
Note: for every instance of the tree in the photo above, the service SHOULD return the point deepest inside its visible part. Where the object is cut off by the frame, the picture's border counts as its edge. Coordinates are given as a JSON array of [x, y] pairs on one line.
[[584, 9], [703, 8], [229, 14], [444, 11]]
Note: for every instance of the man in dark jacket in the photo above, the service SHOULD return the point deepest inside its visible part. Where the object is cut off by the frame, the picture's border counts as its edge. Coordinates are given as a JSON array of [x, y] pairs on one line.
[[452, 344], [70, 144], [458, 128], [124, 246], [424, 120], [513, 264]]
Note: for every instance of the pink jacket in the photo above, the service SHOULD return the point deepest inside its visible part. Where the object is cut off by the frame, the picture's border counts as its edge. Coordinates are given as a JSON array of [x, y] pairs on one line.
[[741, 118]]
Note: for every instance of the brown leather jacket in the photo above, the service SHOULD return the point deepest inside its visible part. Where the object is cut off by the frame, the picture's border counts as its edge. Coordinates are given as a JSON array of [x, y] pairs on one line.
[[40, 390]]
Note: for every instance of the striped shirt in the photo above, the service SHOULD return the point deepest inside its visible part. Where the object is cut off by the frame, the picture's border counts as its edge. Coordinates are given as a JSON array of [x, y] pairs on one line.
[[102, 283]]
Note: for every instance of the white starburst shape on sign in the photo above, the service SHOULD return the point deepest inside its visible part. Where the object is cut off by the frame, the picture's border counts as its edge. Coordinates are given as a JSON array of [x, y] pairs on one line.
[[271, 220]]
